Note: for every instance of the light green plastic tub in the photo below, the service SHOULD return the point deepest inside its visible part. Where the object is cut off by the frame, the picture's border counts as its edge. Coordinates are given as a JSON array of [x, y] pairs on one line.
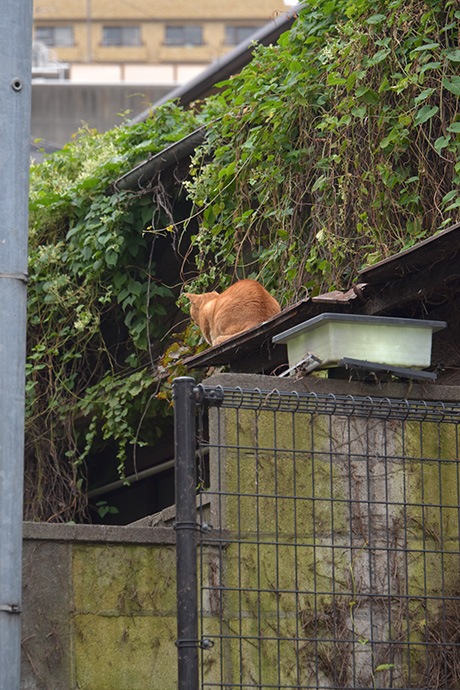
[[381, 339]]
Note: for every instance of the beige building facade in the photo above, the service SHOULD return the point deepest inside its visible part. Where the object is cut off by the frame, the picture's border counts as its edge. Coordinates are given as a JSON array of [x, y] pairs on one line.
[[145, 41]]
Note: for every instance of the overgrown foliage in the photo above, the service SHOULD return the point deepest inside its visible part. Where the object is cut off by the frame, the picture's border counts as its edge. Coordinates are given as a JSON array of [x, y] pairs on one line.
[[334, 148], [94, 309]]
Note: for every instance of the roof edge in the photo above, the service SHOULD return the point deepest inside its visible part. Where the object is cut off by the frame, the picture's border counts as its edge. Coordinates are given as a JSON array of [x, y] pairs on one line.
[[162, 160]]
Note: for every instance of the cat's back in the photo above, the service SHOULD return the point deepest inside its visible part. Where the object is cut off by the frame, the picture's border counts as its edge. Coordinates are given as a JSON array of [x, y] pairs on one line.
[[247, 296], [243, 305]]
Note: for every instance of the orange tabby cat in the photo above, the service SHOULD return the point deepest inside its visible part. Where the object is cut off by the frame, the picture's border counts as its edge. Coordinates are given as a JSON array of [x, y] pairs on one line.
[[241, 306]]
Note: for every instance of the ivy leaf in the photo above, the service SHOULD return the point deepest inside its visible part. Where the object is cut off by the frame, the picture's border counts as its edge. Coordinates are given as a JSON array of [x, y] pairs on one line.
[[379, 56], [333, 80], [454, 56], [456, 204], [429, 65], [454, 127], [376, 19], [425, 114], [424, 95], [385, 85], [284, 39], [90, 182], [359, 112], [351, 81], [441, 143], [319, 183], [426, 46], [449, 196], [146, 214], [367, 95], [453, 85], [390, 138], [295, 66], [228, 171]]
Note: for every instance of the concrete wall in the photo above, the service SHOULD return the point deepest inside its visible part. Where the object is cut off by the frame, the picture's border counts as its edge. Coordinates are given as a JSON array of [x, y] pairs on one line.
[[60, 108], [335, 482], [99, 608]]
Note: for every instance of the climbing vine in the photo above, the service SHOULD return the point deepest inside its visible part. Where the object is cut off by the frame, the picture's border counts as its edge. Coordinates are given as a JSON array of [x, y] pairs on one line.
[[334, 148], [94, 308]]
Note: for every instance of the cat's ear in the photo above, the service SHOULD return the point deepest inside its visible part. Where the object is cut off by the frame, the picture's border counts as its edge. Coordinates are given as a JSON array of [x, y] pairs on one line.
[[194, 300]]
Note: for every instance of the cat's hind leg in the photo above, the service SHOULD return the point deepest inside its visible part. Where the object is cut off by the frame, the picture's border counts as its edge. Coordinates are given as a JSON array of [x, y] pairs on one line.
[[221, 338]]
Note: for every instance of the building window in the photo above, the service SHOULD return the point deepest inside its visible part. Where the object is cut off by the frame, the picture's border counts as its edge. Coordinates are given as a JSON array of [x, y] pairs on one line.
[[236, 34], [121, 36], [184, 36], [54, 35]]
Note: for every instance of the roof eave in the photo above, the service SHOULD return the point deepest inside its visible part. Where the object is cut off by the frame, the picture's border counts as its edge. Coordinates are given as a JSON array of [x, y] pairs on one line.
[[171, 155]]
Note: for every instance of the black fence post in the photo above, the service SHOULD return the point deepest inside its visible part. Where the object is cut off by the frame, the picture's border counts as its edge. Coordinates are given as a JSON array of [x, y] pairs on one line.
[[185, 526]]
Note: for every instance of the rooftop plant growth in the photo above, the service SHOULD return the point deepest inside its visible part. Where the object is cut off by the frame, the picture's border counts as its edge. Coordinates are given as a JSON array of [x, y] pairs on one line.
[[334, 148], [337, 147]]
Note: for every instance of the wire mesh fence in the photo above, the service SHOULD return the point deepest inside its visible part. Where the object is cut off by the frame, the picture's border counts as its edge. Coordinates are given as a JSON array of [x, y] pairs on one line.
[[328, 541]]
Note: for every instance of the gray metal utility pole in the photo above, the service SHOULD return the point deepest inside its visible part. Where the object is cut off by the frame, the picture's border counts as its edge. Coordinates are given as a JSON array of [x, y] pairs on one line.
[[15, 93]]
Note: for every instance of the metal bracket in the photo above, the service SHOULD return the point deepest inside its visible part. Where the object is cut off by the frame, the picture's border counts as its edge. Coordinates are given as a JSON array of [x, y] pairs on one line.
[[185, 524], [209, 396], [187, 643], [204, 527], [23, 277], [11, 608], [205, 643], [305, 366]]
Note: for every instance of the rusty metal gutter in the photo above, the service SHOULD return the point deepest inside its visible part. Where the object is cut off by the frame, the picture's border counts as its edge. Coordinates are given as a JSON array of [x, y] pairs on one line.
[[171, 155]]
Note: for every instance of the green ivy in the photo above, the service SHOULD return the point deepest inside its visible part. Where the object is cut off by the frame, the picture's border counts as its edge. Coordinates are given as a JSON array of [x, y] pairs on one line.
[[332, 149], [93, 312], [335, 148]]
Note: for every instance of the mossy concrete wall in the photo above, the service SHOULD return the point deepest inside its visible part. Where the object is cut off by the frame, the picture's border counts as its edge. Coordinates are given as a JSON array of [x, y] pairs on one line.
[[343, 511], [99, 608]]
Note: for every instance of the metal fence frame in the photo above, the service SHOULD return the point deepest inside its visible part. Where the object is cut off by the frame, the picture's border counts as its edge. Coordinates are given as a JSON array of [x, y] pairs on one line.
[[194, 531]]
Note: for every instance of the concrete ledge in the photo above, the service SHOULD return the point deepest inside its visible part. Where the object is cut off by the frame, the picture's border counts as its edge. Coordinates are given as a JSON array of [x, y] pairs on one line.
[[108, 534], [314, 384]]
